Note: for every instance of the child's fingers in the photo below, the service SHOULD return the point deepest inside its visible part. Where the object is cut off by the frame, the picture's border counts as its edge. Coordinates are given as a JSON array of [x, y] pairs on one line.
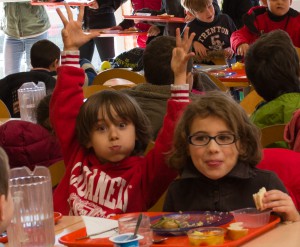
[[178, 38], [81, 13], [186, 33], [69, 12], [189, 42], [62, 17]]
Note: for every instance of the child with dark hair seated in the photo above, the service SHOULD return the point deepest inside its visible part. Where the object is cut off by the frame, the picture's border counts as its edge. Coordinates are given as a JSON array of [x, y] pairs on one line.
[[216, 149], [272, 66]]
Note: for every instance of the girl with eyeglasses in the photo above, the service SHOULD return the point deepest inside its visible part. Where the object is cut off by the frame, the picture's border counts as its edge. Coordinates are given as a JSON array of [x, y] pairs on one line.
[[216, 149]]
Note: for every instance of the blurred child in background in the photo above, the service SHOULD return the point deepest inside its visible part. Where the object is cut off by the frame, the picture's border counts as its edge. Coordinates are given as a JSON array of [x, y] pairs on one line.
[[272, 67], [260, 20], [212, 30]]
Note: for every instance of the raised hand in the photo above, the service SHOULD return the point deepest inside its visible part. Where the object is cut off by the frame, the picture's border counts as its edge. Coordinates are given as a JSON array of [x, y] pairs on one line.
[[72, 33], [181, 55]]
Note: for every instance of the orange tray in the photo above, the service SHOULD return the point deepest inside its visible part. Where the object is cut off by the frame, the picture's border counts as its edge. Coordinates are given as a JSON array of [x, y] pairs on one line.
[[154, 18], [174, 241], [240, 75]]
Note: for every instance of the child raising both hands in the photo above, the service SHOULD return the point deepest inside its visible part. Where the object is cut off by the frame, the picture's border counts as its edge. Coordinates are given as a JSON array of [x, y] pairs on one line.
[[103, 138]]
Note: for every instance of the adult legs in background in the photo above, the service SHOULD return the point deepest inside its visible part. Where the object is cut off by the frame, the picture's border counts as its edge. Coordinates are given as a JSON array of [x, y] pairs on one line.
[[105, 47], [98, 19], [13, 50], [87, 50]]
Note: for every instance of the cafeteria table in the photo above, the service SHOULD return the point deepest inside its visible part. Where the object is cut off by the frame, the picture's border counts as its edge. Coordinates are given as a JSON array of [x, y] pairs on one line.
[[286, 235]]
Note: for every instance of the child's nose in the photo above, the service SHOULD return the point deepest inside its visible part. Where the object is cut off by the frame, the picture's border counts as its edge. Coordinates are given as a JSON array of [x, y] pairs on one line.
[[213, 146], [113, 133]]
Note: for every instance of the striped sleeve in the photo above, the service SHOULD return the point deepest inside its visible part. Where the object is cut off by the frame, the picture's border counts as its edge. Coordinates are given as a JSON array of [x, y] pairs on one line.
[[70, 58], [180, 92]]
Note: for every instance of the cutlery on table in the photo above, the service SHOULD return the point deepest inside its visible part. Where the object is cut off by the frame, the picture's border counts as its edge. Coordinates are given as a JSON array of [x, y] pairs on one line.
[[97, 233]]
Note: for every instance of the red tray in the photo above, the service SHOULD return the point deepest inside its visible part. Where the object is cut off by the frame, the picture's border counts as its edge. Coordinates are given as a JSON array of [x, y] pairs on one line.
[[154, 18], [176, 241]]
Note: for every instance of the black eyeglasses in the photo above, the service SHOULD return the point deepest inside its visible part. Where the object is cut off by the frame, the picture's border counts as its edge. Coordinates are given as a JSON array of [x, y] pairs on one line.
[[221, 139]]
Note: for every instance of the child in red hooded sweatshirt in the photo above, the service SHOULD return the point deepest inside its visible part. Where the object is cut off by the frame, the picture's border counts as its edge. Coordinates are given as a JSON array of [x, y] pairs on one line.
[[102, 139]]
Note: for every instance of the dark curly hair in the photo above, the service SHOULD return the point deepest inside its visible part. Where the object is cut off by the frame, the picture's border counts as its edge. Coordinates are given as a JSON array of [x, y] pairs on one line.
[[223, 106]]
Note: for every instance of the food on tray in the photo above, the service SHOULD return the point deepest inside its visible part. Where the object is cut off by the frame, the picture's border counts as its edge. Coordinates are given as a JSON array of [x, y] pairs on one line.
[[133, 29], [166, 15], [257, 197], [237, 66], [170, 223], [218, 74], [204, 236], [236, 231]]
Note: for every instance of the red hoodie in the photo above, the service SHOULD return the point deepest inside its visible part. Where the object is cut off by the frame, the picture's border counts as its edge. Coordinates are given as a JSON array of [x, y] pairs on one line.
[[102, 190]]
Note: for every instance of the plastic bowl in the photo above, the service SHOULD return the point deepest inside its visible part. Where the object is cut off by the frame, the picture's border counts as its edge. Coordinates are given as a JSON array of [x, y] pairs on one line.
[[208, 236], [251, 217]]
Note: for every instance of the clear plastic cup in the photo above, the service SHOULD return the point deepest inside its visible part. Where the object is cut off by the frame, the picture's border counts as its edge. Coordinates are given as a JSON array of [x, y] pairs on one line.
[[127, 225]]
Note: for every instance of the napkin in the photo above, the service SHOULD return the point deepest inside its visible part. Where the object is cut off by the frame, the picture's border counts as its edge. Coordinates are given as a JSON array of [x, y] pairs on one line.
[[95, 225]]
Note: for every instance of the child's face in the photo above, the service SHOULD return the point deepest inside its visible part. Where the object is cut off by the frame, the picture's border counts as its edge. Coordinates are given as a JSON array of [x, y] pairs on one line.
[[6, 212], [213, 160], [279, 7], [207, 14], [112, 142]]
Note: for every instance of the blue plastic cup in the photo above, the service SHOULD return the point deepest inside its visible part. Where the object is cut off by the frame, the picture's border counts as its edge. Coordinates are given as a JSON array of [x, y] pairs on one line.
[[123, 240]]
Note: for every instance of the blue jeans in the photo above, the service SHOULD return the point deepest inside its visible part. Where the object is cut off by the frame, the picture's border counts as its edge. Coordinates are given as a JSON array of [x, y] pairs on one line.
[[14, 49]]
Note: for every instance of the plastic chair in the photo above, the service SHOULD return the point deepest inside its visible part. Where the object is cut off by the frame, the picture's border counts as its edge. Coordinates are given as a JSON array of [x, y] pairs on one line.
[[57, 171], [285, 163], [271, 134], [90, 90], [4, 112], [158, 206], [219, 84], [105, 75], [250, 102]]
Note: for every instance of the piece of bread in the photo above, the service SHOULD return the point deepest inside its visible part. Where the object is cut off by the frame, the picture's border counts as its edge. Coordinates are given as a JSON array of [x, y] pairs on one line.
[[236, 231], [257, 197]]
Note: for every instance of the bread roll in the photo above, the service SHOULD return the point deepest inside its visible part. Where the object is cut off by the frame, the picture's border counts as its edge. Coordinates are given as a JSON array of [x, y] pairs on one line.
[[236, 231], [258, 198]]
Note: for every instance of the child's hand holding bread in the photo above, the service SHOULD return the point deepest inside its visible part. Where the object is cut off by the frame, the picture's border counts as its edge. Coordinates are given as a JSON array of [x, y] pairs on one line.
[[278, 201]]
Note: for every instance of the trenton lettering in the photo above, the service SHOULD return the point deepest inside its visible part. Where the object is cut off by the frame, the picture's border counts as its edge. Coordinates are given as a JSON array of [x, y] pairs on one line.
[[100, 188], [211, 31]]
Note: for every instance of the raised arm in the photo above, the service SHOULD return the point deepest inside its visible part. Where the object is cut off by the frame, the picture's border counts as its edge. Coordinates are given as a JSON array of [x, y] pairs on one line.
[[181, 55]]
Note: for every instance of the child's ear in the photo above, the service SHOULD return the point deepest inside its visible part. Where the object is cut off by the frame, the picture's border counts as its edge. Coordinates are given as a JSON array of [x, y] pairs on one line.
[[53, 66]]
